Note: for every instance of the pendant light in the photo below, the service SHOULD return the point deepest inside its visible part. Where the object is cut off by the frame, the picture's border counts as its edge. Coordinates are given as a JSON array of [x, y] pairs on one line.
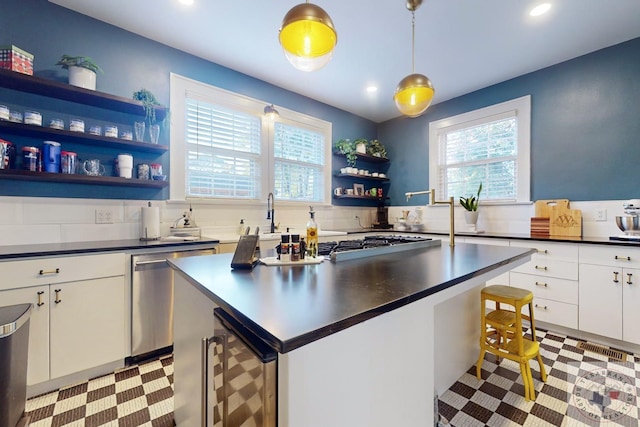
[[308, 37], [414, 93]]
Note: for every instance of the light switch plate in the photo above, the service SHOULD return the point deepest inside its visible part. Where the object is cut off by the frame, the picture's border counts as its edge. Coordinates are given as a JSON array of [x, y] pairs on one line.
[[601, 215]]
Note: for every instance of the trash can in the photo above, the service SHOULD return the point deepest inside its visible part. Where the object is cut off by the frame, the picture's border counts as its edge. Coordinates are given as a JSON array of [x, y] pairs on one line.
[[14, 342]]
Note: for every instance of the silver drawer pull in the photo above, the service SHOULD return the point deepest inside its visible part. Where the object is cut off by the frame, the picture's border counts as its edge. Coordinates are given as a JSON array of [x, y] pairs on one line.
[[542, 307], [629, 282], [543, 251], [539, 267], [43, 272], [623, 258], [615, 277], [541, 284]]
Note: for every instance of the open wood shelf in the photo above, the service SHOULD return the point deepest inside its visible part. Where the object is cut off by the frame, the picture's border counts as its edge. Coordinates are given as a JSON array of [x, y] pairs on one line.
[[368, 177], [53, 89], [22, 175], [78, 137], [367, 158]]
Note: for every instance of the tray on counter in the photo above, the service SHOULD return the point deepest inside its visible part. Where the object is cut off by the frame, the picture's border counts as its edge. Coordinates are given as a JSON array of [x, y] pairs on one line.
[[271, 261]]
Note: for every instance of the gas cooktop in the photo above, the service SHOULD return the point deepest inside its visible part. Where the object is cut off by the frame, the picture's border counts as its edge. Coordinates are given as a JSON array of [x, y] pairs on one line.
[[372, 245]]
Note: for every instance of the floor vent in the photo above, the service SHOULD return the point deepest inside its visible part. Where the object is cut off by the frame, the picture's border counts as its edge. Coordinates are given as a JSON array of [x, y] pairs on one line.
[[605, 351]]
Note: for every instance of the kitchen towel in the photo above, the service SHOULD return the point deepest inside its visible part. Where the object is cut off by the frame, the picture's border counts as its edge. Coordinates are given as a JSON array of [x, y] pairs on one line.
[[150, 223]]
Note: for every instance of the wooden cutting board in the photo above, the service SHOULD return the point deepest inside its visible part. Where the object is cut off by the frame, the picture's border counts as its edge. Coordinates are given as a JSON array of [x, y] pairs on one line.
[[543, 207], [564, 221]]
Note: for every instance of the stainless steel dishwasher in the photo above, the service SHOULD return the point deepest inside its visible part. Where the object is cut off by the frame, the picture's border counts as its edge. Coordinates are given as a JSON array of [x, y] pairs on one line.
[[152, 302]]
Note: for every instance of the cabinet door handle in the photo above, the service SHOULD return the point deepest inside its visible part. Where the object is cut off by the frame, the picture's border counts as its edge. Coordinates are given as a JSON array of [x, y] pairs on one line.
[[58, 300], [40, 302], [542, 251], [615, 277], [623, 258], [539, 267], [629, 282], [542, 307], [43, 272], [541, 284], [205, 344]]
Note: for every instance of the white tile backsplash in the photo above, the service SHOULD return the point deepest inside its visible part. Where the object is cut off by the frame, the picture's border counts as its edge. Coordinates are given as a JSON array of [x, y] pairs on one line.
[[29, 220]]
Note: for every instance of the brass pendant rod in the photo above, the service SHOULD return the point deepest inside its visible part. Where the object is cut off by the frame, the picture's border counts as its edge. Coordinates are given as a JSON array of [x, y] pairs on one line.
[[413, 41]]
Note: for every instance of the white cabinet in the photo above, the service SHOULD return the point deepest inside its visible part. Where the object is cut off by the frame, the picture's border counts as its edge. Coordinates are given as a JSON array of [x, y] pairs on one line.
[[552, 276], [610, 292], [78, 317]]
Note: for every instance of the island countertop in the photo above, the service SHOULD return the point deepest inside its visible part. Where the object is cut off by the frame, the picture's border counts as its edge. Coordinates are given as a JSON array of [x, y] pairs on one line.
[[290, 306]]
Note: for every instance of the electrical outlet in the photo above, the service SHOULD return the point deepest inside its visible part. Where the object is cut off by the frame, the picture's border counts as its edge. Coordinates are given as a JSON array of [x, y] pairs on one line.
[[104, 216], [601, 215]]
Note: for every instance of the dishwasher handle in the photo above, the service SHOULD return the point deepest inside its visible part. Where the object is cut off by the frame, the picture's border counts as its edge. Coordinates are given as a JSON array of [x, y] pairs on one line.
[[219, 338], [155, 261]]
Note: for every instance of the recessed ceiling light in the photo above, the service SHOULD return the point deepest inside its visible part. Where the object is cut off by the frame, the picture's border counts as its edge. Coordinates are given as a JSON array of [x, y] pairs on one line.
[[372, 89], [187, 2], [541, 9]]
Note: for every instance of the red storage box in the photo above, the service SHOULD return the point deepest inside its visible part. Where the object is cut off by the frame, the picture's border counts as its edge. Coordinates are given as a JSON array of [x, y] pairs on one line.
[[15, 59]]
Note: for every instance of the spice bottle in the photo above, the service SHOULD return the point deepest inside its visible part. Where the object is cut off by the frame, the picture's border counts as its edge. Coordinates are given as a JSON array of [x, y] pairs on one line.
[[312, 234], [285, 253], [242, 228], [295, 247]]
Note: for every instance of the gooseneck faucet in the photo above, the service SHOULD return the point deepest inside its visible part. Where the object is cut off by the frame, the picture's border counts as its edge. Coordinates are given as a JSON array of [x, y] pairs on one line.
[[271, 205], [433, 201]]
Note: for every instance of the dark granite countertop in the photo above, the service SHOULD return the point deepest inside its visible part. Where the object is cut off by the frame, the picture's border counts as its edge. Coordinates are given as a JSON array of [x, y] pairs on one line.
[[290, 306], [52, 249], [558, 239]]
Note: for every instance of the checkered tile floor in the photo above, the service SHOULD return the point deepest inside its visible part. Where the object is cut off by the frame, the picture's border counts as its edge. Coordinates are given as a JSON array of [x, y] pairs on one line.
[[140, 395], [582, 389]]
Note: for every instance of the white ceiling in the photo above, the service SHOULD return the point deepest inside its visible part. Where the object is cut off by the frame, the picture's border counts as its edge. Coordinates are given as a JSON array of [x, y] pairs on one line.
[[461, 45]]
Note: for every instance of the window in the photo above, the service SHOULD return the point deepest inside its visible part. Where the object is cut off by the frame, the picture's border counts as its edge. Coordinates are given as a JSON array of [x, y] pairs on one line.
[[225, 149], [488, 146]]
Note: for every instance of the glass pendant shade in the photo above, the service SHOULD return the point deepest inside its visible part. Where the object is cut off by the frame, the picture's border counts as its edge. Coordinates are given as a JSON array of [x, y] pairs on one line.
[[413, 95], [308, 37]]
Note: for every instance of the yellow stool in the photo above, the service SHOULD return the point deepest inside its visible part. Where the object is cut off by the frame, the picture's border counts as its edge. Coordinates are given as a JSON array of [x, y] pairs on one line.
[[501, 332]]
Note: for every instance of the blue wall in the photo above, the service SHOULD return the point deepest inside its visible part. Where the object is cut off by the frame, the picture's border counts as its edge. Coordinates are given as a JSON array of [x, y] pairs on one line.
[[585, 128], [131, 62]]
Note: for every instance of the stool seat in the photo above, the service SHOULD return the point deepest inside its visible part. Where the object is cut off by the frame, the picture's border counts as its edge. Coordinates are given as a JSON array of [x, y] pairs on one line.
[[502, 333]]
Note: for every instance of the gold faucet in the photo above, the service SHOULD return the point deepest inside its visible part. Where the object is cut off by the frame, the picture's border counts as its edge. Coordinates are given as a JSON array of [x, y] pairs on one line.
[[433, 201]]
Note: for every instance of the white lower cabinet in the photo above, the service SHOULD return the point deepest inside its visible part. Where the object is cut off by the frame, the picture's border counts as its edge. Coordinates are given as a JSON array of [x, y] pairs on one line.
[[609, 301], [38, 355], [75, 324]]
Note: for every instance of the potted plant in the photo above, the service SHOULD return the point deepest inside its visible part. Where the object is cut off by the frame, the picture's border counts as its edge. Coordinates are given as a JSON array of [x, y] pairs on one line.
[[149, 103], [470, 204], [376, 149], [361, 145], [348, 148], [82, 70]]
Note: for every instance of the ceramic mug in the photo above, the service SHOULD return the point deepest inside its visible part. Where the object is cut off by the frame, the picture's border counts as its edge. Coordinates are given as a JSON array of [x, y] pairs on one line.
[[93, 167], [373, 192], [338, 191]]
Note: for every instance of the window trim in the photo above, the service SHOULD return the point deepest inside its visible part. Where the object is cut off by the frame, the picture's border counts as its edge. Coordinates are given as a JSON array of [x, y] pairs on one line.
[[181, 86], [522, 108]]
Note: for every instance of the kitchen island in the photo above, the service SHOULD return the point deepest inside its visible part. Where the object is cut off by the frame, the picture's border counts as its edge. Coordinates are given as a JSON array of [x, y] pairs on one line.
[[358, 340]]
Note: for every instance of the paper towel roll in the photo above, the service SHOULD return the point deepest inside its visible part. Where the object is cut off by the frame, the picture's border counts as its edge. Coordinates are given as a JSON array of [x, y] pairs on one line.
[[150, 223]]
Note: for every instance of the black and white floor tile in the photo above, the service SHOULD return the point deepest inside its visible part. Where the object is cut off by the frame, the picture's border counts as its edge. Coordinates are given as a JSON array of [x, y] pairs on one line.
[[582, 389], [139, 395]]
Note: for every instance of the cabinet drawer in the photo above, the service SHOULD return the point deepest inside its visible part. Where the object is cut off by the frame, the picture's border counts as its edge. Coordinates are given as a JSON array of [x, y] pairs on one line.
[[552, 288], [616, 256], [550, 268], [41, 271], [555, 312], [558, 251]]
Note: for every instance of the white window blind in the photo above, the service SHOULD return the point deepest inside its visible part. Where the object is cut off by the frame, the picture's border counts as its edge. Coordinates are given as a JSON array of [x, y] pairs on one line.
[[298, 163], [489, 146], [485, 153], [223, 151]]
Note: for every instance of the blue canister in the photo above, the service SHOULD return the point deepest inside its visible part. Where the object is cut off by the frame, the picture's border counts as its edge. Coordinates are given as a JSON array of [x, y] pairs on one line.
[[51, 156]]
